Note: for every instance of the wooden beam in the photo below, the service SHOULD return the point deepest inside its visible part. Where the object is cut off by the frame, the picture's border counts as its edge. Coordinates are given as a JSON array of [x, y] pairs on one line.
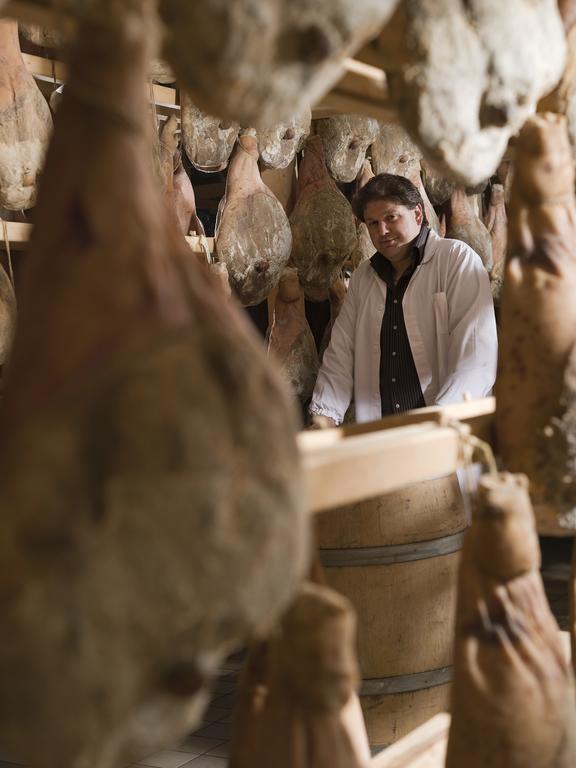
[[19, 234], [54, 72], [372, 459], [361, 90]]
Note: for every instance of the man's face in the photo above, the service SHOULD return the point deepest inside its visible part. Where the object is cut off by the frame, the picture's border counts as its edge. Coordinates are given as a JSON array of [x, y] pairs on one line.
[[392, 227]]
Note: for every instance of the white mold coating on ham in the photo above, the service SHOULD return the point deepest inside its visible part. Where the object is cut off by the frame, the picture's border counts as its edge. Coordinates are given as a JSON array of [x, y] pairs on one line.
[[323, 225], [346, 139], [258, 62], [25, 124], [253, 236]]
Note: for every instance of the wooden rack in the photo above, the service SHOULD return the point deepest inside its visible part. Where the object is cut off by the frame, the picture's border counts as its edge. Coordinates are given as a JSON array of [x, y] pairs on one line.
[[362, 88], [19, 234], [353, 463]]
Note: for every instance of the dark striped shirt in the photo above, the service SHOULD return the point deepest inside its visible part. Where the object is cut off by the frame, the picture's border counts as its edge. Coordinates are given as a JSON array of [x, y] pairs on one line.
[[400, 388]]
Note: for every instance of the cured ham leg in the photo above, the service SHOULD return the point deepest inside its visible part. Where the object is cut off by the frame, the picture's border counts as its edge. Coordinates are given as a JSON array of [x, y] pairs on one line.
[[208, 141], [465, 75], [323, 225], [513, 691], [253, 235], [497, 225], [462, 223], [259, 62], [299, 691], [279, 145], [336, 296], [536, 384], [395, 152], [365, 248], [179, 191], [291, 341], [346, 139], [438, 188], [25, 124], [140, 417]]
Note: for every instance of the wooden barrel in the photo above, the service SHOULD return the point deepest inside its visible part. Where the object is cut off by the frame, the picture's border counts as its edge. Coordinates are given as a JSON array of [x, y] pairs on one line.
[[396, 558]]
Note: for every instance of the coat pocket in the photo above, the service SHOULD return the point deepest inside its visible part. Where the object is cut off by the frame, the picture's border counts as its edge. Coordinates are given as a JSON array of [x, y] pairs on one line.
[[440, 312]]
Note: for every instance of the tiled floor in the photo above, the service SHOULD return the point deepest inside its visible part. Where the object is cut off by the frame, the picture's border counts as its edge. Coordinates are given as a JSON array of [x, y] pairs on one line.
[[208, 745]]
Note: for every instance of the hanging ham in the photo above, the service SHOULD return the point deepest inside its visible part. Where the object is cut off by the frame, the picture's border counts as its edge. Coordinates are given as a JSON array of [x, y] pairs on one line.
[[208, 141], [463, 223], [365, 248], [296, 705], [290, 341], [260, 61], [25, 124], [179, 192], [253, 235], [438, 188], [279, 145], [323, 225], [513, 692], [536, 383], [346, 139], [394, 152], [465, 74], [152, 508], [497, 225]]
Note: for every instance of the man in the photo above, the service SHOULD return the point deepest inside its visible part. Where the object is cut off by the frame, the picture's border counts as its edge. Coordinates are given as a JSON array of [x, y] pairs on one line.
[[417, 326]]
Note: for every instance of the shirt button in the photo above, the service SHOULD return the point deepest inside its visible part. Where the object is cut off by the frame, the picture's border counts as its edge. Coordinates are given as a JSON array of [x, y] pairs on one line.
[[393, 381], [397, 405], [395, 301], [393, 354], [395, 327]]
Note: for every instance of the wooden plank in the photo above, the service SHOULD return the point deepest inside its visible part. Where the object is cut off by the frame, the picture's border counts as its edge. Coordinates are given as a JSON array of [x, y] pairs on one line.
[[351, 464], [19, 234], [54, 72], [362, 88], [364, 466], [425, 747], [478, 414]]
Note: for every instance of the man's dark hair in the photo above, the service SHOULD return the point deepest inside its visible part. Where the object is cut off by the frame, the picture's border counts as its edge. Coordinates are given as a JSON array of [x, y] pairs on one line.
[[388, 186]]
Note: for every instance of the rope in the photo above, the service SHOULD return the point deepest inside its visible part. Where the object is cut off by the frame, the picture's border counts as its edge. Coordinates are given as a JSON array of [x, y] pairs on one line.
[[8, 252]]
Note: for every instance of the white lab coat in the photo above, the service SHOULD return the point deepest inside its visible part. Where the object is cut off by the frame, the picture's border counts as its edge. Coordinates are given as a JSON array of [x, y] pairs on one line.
[[449, 316]]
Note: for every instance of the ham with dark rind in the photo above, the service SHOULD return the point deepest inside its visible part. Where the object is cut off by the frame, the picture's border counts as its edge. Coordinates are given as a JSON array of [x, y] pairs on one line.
[[259, 62], [393, 151], [279, 145], [290, 341], [365, 247], [346, 139], [25, 124], [497, 225], [253, 235], [323, 225], [179, 192], [140, 416], [513, 690], [208, 141], [462, 223], [464, 75], [438, 188], [536, 382]]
